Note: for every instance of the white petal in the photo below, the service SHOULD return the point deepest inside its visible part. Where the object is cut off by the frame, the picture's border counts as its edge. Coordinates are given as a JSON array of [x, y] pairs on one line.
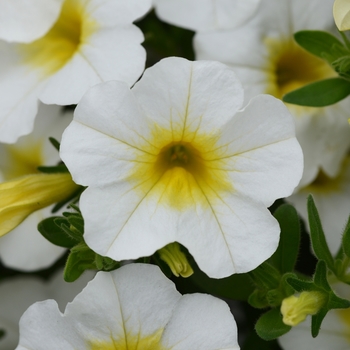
[[189, 96], [27, 20], [266, 161], [19, 88], [206, 15], [110, 54], [201, 322], [25, 249]]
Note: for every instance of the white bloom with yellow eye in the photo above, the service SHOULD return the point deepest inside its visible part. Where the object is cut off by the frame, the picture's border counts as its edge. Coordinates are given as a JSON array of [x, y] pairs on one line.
[[266, 58], [341, 13], [175, 159], [91, 41], [205, 15], [24, 248], [134, 307]]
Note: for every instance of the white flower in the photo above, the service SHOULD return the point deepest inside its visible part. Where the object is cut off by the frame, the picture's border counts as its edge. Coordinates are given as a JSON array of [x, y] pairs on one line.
[[334, 332], [205, 15], [332, 199], [90, 42], [266, 58], [18, 293], [176, 160], [341, 13], [27, 20], [133, 307], [24, 248]]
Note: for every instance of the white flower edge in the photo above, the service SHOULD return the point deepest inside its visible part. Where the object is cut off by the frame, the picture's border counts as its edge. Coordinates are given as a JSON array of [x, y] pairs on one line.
[[205, 15], [18, 293], [27, 20], [134, 302]]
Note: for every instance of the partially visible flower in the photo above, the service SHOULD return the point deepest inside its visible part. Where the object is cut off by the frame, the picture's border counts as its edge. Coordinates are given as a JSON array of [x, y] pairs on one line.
[[176, 160], [341, 13], [332, 199], [27, 20], [206, 15], [266, 58], [91, 41], [24, 248], [18, 293], [134, 307], [334, 333]]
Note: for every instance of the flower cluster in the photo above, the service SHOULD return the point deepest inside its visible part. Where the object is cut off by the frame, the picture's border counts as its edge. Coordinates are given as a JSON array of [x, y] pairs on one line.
[[162, 144]]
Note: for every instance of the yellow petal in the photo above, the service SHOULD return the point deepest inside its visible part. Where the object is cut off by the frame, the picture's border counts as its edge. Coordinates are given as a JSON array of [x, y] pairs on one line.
[[22, 196]]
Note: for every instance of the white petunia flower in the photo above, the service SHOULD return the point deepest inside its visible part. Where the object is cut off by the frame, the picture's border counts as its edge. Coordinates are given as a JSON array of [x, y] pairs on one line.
[[266, 58], [24, 248], [90, 42], [334, 333], [205, 15], [341, 13], [332, 199], [27, 20], [175, 159], [18, 293], [134, 307]]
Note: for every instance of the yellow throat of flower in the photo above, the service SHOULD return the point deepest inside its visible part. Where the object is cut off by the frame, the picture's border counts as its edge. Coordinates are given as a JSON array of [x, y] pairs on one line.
[[290, 67], [181, 168], [130, 342], [51, 52]]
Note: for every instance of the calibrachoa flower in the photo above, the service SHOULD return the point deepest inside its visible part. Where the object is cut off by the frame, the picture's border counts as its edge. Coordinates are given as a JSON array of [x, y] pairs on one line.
[[18, 293], [332, 199], [205, 15], [341, 13], [27, 20], [91, 41], [24, 248], [266, 58], [175, 159], [134, 307]]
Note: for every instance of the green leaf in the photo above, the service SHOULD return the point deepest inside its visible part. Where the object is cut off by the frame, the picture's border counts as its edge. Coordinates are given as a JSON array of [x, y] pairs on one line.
[[54, 143], [318, 239], [346, 239], [80, 259], [270, 325], [61, 168], [320, 276], [316, 322], [55, 234], [287, 252], [320, 93], [321, 44]]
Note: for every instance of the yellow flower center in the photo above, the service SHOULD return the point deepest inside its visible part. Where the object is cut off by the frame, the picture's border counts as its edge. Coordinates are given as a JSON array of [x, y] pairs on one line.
[[181, 168], [323, 184], [51, 52], [290, 67], [136, 342]]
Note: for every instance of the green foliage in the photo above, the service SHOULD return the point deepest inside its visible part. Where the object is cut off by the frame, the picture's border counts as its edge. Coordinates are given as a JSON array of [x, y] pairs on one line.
[[319, 283], [320, 93], [68, 231], [346, 239], [287, 252], [270, 325], [318, 239]]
